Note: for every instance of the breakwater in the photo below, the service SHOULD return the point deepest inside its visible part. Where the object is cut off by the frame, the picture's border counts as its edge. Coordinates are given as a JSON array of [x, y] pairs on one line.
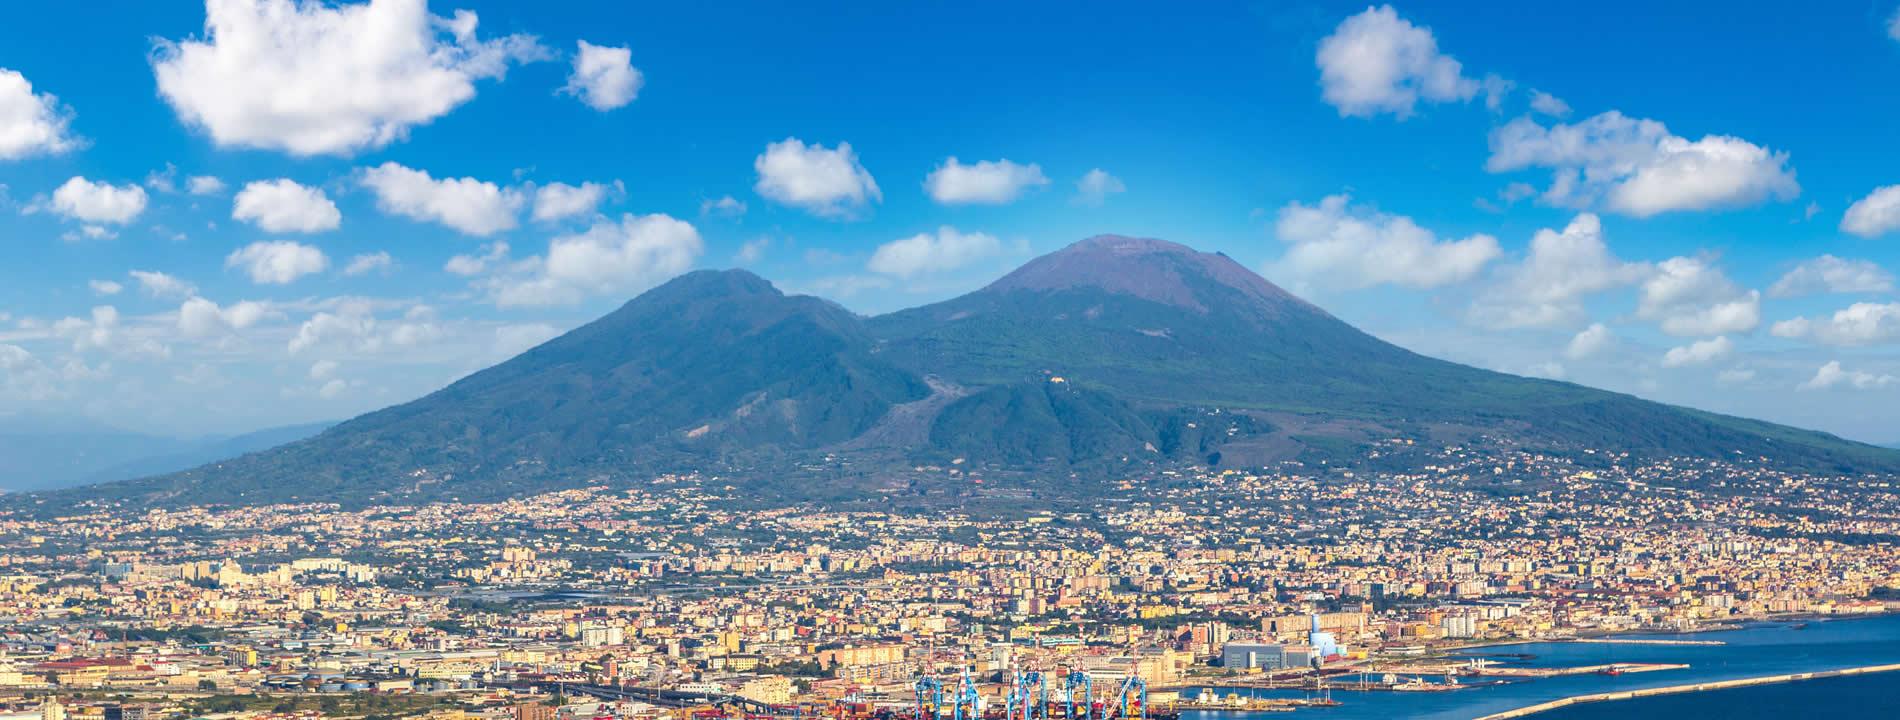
[[1690, 688]]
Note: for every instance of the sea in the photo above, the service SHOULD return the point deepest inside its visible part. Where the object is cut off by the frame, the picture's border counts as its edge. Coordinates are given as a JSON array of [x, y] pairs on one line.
[[1756, 649]]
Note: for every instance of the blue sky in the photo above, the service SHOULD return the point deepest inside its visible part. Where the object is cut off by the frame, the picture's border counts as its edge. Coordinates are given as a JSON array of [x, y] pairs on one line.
[[1708, 179]]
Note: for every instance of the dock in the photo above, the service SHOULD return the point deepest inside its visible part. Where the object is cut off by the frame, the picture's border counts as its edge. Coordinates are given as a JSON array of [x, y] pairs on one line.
[[1679, 689]]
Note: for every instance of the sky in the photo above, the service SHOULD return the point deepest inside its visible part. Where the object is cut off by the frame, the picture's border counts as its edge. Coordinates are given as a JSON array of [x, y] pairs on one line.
[[249, 213]]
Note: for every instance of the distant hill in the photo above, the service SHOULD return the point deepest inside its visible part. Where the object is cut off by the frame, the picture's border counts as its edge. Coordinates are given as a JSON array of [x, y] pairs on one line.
[[42, 452], [1112, 354]]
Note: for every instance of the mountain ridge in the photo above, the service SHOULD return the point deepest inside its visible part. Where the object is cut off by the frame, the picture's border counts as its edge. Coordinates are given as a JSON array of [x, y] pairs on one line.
[[1111, 355]]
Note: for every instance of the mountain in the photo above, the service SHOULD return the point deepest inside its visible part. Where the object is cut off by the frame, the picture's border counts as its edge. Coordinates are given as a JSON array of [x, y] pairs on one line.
[[192, 453], [1107, 357], [40, 452]]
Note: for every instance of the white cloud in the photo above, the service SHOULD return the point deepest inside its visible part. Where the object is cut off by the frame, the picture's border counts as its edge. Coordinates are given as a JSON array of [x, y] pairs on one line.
[[923, 253], [826, 183], [609, 258], [1096, 185], [988, 182], [1701, 352], [99, 202], [323, 369], [367, 263], [1589, 342], [199, 317], [352, 326], [105, 287], [1829, 274], [204, 185], [1355, 247], [1893, 26], [1377, 62], [1548, 370], [31, 124], [1733, 376], [604, 77], [315, 78], [466, 205], [284, 206], [161, 285], [1638, 168], [471, 265], [752, 250], [96, 333], [278, 262], [1874, 215], [726, 205], [1857, 324], [1549, 104], [1831, 375], [556, 201], [1562, 268], [1690, 297], [88, 232]]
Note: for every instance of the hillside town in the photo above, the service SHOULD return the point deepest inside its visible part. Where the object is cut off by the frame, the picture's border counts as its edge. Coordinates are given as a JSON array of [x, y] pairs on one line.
[[678, 597]]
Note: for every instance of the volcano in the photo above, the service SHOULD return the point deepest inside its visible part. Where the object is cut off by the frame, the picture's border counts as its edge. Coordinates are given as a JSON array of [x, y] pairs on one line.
[[1112, 356]]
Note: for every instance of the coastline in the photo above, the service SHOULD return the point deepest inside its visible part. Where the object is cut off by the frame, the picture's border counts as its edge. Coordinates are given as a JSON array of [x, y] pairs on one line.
[[1689, 688]]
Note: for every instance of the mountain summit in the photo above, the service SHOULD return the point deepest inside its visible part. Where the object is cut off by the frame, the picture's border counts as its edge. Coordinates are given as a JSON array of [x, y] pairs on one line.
[[1107, 357]]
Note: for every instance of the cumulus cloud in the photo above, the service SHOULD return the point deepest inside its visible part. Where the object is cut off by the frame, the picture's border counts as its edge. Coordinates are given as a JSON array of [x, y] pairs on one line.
[[923, 253], [1637, 167], [826, 183], [1354, 247], [1095, 187], [278, 262], [1701, 352], [1589, 342], [1874, 215], [99, 202], [31, 124], [1561, 270], [1857, 324], [725, 205], [1377, 62], [1548, 104], [199, 317], [752, 250], [1829, 274], [352, 326], [204, 185], [313, 78], [284, 206], [557, 201], [988, 182], [368, 263], [609, 258], [604, 77], [1893, 26], [1833, 375], [471, 265], [467, 205], [161, 285], [1690, 297], [105, 287]]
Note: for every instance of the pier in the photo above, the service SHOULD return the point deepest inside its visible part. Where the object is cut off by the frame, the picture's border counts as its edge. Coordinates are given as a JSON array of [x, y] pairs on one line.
[[1678, 689]]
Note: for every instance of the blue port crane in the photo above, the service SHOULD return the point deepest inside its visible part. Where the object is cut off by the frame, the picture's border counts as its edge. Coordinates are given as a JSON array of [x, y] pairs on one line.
[[1028, 697], [929, 698], [967, 697], [1131, 701], [1080, 679]]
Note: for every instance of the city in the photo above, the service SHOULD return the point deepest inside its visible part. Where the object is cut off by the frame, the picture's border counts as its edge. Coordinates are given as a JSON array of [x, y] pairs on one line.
[[1304, 578]]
